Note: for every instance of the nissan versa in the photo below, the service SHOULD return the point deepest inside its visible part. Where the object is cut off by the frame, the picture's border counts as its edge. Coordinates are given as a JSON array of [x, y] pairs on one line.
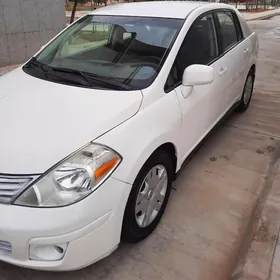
[[94, 127]]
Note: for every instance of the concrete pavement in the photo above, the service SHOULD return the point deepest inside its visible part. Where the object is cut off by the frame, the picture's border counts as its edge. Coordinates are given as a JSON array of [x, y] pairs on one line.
[[261, 15]]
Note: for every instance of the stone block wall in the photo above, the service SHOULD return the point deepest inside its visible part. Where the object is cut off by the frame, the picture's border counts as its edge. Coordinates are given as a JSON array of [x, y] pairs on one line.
[[26, 25]]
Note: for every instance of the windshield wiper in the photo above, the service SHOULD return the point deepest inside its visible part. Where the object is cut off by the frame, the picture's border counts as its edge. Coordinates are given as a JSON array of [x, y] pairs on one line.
[[89, 76], [50, 71], [45, 69], [84, 81], [107, 81], [34, 62]]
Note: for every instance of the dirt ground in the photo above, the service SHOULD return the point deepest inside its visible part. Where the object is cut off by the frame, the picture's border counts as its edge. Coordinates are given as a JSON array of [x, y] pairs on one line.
[[201, 234]]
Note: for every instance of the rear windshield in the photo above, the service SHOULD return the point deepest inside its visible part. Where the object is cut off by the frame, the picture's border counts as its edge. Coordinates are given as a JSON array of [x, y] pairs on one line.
[[121, 50]]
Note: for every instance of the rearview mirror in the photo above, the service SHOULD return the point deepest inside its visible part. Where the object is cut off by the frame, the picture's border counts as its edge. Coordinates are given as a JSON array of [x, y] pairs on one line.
[[197, 74]]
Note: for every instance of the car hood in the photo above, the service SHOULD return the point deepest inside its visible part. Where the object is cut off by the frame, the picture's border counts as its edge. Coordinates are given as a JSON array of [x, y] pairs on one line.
[[42, 122]]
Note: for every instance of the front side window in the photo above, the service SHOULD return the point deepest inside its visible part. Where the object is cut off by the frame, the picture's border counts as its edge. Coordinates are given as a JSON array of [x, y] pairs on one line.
[[200, 46], [119, 52], [228, 29]]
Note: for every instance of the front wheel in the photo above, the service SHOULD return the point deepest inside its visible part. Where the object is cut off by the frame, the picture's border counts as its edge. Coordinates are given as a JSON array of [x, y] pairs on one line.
[[148, 198], [247, 92]]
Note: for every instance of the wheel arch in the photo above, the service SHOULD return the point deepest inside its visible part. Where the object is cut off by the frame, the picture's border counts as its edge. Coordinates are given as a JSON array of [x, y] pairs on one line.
[[171, 150], [131, 230], [253, 68], [134, 160]]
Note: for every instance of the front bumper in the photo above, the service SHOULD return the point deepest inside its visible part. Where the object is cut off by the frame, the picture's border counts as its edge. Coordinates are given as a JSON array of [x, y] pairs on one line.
[[91, 228]]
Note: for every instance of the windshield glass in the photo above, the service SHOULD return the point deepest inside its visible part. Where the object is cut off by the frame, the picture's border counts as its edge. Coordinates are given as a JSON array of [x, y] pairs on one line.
[[120, 50]]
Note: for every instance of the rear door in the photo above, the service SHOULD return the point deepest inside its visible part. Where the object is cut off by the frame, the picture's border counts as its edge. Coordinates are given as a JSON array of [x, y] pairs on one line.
[[235, 56]]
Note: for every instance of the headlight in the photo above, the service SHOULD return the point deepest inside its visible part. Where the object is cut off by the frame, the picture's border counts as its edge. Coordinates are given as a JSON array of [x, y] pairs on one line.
[[73, 179]]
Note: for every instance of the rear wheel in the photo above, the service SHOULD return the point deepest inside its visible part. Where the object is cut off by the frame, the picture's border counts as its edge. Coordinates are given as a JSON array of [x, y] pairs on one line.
[[247, 92], [148, 197]]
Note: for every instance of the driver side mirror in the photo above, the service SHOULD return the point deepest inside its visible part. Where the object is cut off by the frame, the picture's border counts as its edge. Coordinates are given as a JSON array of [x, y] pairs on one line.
[[196, 75]]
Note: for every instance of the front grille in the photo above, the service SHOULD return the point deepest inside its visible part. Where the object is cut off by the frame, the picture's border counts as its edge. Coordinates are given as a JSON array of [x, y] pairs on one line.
[[11, 186], [5, 248]]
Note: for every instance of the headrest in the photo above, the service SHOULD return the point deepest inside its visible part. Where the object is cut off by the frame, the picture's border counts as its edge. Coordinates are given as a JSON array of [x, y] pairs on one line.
[[117, 38]]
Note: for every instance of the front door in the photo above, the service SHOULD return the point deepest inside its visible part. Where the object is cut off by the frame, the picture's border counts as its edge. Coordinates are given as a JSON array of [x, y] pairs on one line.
[[200, 46]]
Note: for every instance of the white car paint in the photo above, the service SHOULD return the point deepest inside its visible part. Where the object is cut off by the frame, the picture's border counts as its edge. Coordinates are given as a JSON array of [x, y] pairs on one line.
[[165, 128], [92, 228], [43, 122], [43, 116]]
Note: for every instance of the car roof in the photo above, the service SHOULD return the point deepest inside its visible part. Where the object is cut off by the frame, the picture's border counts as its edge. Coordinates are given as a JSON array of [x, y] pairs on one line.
[[164, 9]]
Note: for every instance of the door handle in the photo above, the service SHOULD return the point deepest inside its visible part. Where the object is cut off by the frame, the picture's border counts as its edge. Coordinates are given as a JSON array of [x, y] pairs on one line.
[[223, 71], [246, 51]]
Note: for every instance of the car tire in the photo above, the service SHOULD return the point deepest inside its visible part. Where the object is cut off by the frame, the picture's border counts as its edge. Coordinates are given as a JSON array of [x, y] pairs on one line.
[[247, 92], [146, 202]]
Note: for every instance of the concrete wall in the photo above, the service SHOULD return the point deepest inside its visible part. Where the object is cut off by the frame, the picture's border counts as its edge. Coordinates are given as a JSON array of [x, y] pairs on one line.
[[26, 25]]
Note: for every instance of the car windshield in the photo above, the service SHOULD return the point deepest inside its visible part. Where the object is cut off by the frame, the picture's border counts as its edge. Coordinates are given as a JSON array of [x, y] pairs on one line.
[[118, 52]]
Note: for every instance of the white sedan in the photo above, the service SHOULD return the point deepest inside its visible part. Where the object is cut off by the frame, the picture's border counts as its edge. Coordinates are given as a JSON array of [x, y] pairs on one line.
[[96, 125]]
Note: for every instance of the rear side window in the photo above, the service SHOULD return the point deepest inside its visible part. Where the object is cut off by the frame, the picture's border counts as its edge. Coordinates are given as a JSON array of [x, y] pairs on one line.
[[230, 29]]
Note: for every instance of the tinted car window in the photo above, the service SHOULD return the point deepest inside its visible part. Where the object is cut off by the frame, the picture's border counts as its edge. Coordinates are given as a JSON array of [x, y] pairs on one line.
[[228, 29], [200, 46], [238, 27], [107, 51]]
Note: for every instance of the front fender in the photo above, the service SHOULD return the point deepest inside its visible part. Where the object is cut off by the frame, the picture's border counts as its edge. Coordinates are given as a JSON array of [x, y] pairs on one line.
[[136, 139]]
